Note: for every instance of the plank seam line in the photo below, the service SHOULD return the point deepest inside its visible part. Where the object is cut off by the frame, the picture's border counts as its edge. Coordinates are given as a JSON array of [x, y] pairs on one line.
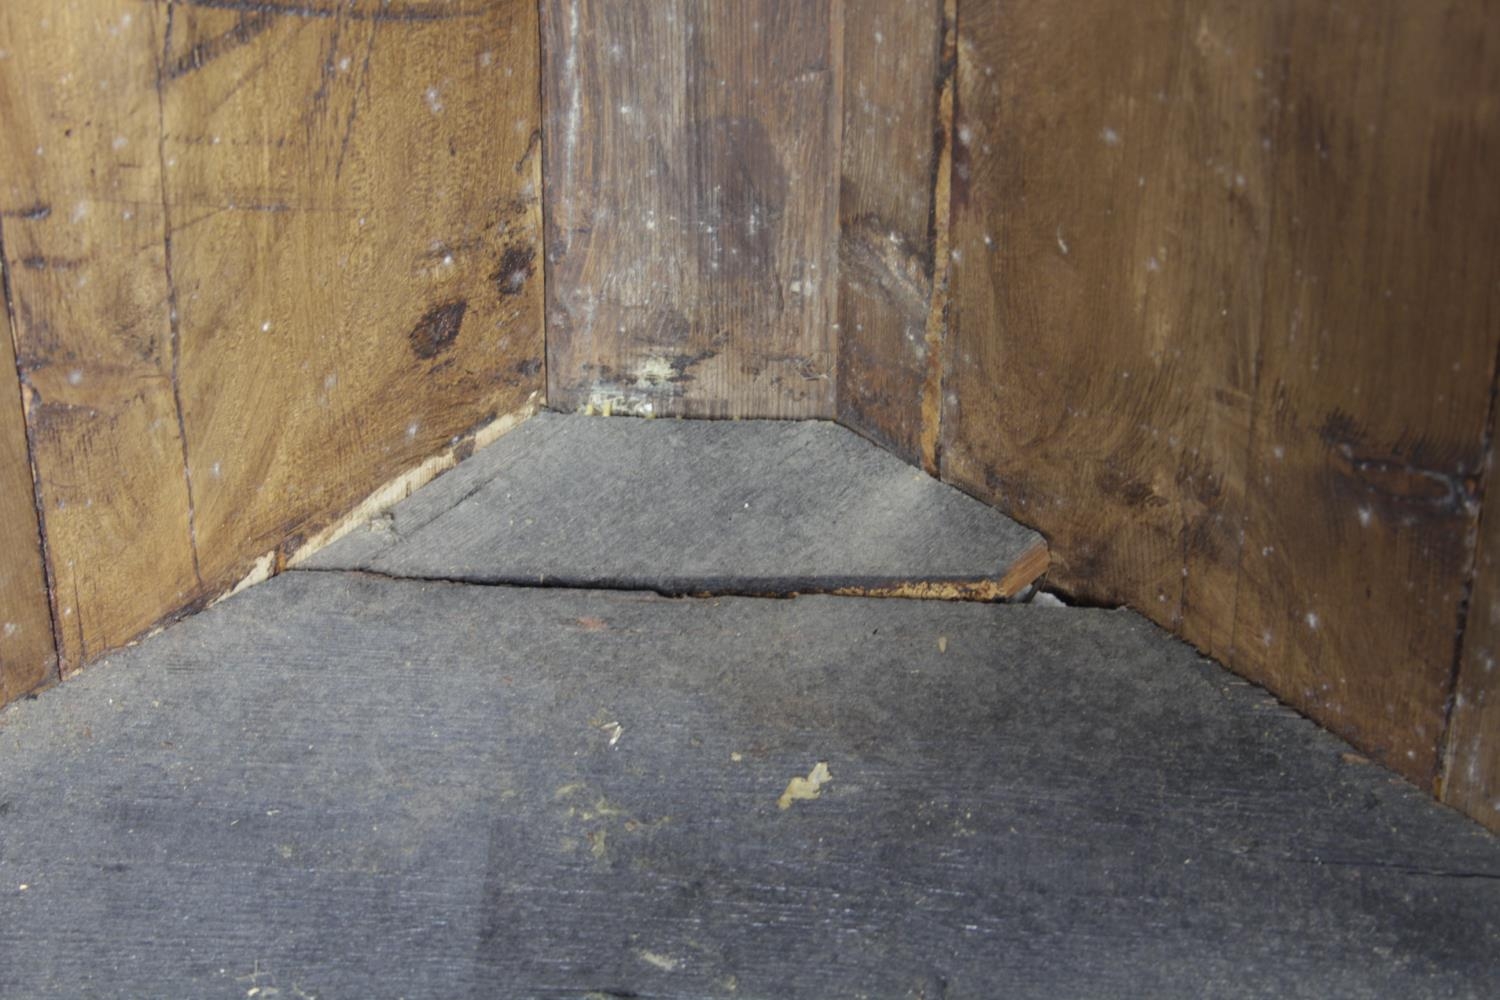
[[714, 589], [48, 579], [1391, 866], [174, 326], [1445, 747]]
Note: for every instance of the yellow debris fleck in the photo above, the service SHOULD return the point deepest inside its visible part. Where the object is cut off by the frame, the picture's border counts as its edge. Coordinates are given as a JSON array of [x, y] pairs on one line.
[[805, 788], [665, 963], [942, 644]]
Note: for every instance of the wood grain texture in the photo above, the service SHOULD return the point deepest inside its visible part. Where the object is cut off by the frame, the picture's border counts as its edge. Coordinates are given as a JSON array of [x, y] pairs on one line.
[[356, 236], [85, 234], [691, 177], [891, 218], [1380, 334], [1471, 779], [1221, 330], [28, 654], [267, 258]]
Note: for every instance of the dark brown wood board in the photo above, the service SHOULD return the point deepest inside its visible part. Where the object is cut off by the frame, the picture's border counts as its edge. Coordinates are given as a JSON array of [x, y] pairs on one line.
[[266, 258], [893, 220], [28, 655], [691, 193], [1223, 326], [337, 785], [1471, 775], [1380, 334]]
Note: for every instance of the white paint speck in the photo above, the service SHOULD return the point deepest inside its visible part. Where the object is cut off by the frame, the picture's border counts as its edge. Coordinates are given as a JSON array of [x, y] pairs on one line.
[[10, 629], [265, 327], [1312, 620], [80, 210], [75, 377], [1110, 136], [1062, 244], [1153, 265], [434, 100], [1365, 517], [120, 142], [411, 429]]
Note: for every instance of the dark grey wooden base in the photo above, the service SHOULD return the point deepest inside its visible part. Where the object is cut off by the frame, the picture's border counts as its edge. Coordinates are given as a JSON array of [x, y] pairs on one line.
[[337, 785], [691, 506]]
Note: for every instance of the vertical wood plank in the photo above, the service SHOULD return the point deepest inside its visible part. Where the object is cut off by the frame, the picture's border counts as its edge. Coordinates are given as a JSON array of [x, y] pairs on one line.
[[890, 226], [1221, 326], [28, 655], [1471, 778], [691, 172], [1104, 324], [1381, 326], [81, 193], [267, 258], [354, 204]]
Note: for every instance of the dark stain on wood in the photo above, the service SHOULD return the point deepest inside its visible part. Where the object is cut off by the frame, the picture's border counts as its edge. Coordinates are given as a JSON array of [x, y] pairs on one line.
[[245, 30], [517, 265], [384, 13], [41, 262], [682, 364], [31, 213], [436, 331], [741, 194]]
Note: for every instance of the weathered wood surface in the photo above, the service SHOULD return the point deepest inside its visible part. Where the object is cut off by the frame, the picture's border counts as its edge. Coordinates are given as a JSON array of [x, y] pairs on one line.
[[893, 220], [85, 242], [28, 655], [688, 507], [691, 188], [348, 786], [264, 258], [1223, 326], [1471, 778]]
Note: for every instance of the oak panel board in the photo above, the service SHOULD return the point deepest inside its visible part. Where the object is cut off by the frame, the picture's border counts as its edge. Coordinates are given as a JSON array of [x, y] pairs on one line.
[[691, 194]]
